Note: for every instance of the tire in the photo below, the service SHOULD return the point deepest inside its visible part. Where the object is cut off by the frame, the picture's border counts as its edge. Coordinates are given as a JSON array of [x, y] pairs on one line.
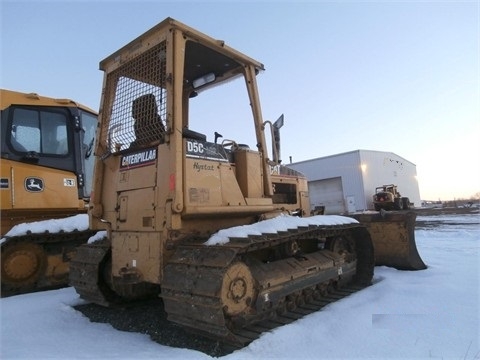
[[406, 203], [398, 204]]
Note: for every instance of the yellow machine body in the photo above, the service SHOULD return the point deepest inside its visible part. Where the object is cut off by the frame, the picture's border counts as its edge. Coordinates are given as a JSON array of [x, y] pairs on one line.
[[46, 171], [163, 185]]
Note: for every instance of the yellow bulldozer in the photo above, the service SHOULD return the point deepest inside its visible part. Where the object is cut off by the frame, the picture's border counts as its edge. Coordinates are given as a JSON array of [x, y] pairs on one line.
[[46, 173], [217, 228]]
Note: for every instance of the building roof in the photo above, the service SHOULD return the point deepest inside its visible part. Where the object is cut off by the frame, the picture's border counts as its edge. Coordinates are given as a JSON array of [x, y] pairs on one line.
[[359, 151]]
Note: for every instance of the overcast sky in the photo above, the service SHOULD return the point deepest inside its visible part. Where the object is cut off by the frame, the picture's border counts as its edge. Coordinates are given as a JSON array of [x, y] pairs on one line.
[[395, 76]]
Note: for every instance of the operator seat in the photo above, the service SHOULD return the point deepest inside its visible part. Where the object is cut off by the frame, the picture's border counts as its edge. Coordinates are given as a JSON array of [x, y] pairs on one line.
[[148, 124]]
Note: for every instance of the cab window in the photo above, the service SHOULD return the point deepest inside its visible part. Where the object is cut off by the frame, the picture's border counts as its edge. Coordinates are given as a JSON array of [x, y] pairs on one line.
[[42, 131]]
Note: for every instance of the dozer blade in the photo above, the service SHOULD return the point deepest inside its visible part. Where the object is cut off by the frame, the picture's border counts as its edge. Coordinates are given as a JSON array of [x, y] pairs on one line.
[[393, 237]]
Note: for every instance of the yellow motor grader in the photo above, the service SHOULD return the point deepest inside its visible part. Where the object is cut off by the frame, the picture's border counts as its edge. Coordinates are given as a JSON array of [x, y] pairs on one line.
[[216, 227]]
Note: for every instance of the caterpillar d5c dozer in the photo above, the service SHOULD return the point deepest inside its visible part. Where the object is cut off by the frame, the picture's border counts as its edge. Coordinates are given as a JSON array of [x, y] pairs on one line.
[[219, 230], [46, 171]]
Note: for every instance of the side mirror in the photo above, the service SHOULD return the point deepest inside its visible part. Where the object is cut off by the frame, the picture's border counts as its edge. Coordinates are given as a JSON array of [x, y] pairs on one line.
[[276, 139]]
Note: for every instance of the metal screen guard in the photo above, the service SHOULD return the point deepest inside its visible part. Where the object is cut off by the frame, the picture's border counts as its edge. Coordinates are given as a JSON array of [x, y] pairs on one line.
[[136, 102]]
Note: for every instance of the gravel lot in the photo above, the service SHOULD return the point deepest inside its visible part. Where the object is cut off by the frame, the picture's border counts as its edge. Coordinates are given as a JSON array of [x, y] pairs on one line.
[[149, 318]]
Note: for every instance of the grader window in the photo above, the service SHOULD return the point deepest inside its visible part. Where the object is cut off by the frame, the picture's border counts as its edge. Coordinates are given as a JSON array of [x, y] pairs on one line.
[[136, 100]]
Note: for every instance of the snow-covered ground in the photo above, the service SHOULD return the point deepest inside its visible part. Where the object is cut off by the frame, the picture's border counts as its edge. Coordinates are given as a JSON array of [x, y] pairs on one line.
[[434, 313]]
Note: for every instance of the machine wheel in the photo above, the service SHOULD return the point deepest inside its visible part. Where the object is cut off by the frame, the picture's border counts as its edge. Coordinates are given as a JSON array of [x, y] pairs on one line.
[[290, 249], [406, 203], [398, 204], [342, 246], [22, 264], [238, 291]]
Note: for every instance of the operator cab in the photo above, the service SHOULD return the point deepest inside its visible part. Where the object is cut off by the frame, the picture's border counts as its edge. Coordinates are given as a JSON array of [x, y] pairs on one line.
[[49, 134]]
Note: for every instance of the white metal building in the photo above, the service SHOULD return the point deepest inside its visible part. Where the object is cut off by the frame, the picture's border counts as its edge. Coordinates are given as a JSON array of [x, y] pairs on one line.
[[346, 182]]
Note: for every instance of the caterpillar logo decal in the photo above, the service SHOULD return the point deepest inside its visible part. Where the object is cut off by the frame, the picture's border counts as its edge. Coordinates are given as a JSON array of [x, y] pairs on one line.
[[138, 159]]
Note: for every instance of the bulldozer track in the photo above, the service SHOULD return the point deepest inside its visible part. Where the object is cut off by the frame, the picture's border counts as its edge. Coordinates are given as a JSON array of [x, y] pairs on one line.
[[252, 332], [193, 287], [85, 272], [194, 275], [38, 247]]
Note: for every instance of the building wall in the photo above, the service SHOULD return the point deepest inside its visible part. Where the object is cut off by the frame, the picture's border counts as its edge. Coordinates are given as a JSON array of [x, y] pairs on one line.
[[382, 168], [360, 171]]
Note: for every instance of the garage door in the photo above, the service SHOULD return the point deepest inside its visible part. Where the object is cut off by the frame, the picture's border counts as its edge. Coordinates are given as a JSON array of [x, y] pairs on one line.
[[328, 193]]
